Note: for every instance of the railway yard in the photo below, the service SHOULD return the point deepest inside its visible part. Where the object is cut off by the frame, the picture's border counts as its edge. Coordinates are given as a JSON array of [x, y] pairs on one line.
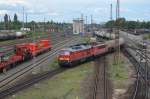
[[54, 55], [42, 77]]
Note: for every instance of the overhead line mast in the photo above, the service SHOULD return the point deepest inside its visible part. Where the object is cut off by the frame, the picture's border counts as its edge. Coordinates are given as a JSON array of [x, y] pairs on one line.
[[117, 33], [111, 20]]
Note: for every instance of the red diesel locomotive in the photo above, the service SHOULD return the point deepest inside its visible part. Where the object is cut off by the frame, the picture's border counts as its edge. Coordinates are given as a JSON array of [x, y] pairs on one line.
[[24, 52], [81, 52]]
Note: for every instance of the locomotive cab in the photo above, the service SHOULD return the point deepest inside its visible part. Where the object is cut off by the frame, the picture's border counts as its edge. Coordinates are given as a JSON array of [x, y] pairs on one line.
[[21, 50], [64, 55], [1, 57]]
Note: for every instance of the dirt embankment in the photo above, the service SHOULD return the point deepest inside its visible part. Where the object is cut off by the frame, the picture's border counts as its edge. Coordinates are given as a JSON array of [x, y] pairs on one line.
[[122, 76]]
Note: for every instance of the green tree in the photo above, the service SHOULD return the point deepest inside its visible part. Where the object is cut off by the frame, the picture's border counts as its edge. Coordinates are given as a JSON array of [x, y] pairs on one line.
[[16, 23], [6, 21], [121, 22], [110, 24], [15, 18], [148, 25]]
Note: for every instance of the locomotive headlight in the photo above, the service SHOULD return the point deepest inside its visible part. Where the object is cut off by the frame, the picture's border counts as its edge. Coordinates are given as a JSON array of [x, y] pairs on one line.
[[67, 53]]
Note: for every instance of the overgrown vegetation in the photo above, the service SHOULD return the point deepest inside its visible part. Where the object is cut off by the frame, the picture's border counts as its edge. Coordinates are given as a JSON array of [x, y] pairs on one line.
[[118, 73], [54, 63], [85, 40], [147, 36]]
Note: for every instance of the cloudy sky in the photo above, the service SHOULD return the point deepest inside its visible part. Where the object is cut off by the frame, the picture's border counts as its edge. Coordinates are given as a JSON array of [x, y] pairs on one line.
[[66, 10]]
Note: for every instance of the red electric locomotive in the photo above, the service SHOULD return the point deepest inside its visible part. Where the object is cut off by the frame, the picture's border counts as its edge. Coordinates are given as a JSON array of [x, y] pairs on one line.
[[74, 54], [78, 53], [24, 52]]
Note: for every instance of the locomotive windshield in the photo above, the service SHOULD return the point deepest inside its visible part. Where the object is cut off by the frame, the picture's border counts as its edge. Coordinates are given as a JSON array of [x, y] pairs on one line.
[[3, 57], [64, 52]]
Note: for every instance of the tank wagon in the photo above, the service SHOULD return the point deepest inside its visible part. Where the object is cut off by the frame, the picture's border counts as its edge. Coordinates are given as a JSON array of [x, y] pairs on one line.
[[10, 36], [78, 53], [105, 35], [23, 52]]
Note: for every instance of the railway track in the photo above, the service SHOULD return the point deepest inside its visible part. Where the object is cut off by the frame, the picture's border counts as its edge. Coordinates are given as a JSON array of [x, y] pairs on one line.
[[139, 86], [28, 83], [101, 88], [8, 49], [51, 35], [4, 82], [16, 41], [31, 81]]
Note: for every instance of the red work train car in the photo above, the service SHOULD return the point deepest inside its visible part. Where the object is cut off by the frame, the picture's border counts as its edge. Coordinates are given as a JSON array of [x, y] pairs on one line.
[[24, 52], [33, 49]]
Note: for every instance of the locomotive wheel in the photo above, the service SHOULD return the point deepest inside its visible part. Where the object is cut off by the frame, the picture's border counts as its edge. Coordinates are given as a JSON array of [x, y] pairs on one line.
[[13, 65], [49, 49], [23, 58], [4, 70]]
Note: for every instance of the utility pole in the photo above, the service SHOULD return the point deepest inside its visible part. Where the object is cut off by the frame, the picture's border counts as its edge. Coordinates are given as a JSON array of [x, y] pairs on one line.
[[86, 26], [82, 19], [26, 19], [111, 12], [146, 71], [92, 24], [82, 16], [118, 4], [145, 58], [111, 28], [116, 11], [117, 33], [44, 25], [9, 23], [23, 19]]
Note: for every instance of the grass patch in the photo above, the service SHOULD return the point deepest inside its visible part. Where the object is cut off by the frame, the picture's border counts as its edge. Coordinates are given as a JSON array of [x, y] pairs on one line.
[[119, 74], [147, 36], [35, 35], [85, 40], [54, 63], [66, 85]]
